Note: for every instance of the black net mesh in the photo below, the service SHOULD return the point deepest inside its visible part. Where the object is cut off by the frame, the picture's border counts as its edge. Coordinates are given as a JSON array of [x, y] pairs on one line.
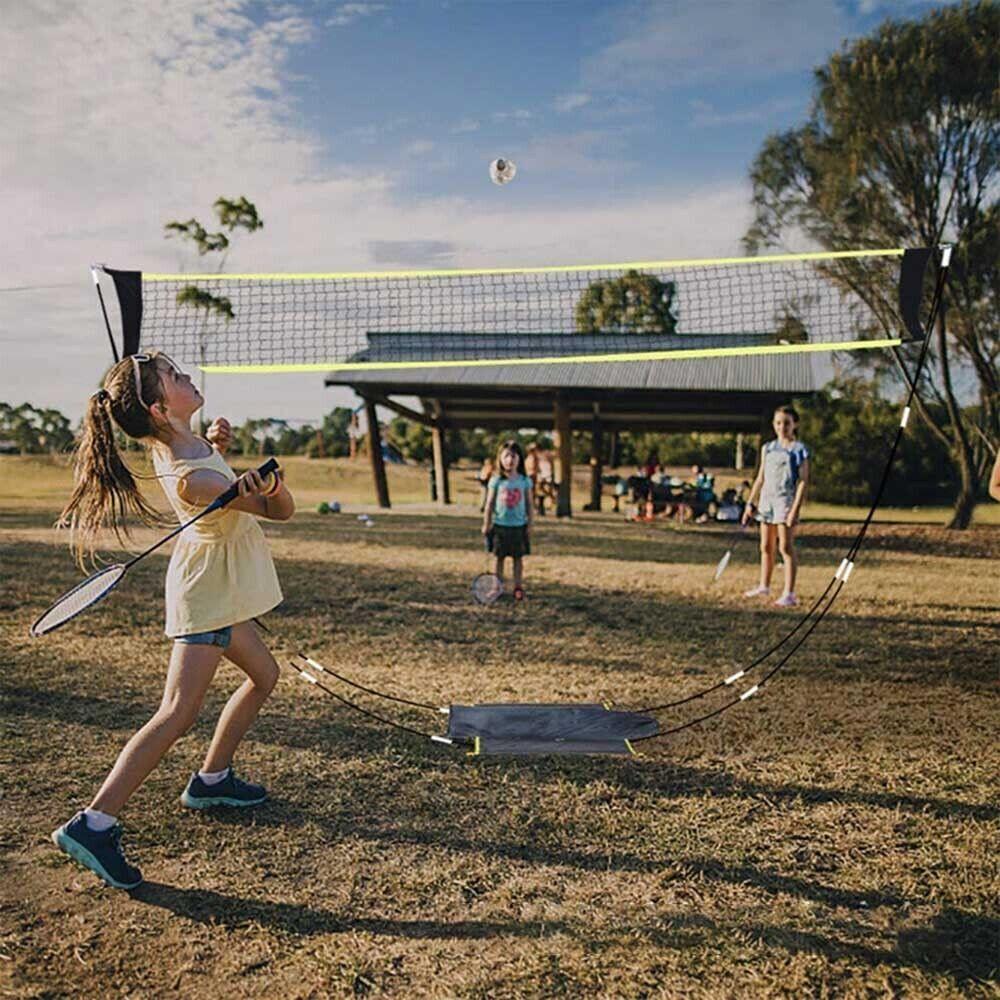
[[423, 318]]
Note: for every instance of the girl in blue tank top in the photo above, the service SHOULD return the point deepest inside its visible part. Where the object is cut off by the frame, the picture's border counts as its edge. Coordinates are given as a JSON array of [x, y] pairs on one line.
[[776, 500]]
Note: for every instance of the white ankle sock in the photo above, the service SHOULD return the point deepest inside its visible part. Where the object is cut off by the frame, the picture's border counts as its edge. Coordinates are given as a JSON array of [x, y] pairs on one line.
[[213, 777], [98, 821]]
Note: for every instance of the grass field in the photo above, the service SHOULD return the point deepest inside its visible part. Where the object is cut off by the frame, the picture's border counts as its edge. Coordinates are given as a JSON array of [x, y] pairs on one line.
[[837, 836]]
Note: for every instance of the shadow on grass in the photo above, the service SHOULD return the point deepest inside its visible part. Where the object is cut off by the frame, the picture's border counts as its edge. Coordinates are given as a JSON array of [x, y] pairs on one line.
[[960, 945], [662, 632], [818, 541], [610, 538], [343, 730], [206, 906], [963, 946], [609, 631]]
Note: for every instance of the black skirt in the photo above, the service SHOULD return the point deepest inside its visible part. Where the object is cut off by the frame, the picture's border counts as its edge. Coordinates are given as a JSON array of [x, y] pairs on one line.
[[510, 541]]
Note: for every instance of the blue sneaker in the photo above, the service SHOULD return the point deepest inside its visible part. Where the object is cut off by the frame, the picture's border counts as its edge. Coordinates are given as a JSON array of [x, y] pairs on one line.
[[231, 791], [100, 851]]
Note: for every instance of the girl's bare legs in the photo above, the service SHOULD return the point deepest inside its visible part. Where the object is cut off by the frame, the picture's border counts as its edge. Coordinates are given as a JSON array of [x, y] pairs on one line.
[[190, 672], [498, 568], [518, 570], [786, 545], [768, 545], [248, 652]]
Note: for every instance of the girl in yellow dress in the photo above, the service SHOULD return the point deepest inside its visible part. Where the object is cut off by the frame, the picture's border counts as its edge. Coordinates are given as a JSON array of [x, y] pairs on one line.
[[220, 577]]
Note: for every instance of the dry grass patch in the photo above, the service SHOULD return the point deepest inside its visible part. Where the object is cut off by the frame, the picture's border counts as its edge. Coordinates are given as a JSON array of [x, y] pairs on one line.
[[836, 837]]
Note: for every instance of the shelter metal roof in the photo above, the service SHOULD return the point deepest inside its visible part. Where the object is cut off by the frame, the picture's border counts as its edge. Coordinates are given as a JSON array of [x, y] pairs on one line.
[[790, 374]]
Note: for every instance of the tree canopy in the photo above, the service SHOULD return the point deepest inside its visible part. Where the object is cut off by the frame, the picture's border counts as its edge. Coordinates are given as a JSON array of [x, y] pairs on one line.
[[902, 148], [633, 303], [35, 430]]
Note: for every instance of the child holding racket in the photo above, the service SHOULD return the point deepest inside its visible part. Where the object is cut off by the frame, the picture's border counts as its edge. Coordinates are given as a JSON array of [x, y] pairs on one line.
[[776, 497], [219, 578], [508, 513]]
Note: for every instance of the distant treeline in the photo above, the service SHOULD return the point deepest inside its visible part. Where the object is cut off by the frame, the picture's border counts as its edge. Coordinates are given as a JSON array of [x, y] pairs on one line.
[[848, 427]]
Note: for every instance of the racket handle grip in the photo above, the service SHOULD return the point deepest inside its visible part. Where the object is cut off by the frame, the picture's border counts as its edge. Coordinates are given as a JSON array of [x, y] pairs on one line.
[[271, 465]]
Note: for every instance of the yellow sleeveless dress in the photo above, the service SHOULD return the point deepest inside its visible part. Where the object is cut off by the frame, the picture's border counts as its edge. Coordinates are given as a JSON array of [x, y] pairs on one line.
[[221, 571]]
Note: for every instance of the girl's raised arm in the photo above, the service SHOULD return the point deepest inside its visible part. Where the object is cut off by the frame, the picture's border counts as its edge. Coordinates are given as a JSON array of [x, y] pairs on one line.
[[267, 499]]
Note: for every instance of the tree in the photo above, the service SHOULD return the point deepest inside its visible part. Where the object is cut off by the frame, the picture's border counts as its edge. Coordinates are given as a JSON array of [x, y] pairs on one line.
[[35, 430], [233, 214], [849, 426], [902, 148], [633, 303], [412, 438]]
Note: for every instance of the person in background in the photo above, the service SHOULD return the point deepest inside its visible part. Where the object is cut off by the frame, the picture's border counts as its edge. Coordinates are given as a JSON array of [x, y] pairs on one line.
[[531, 463], [621, 490], [507, 517], [485, 475], [544, 479], [703, 484], [776, 495], [995, 478]]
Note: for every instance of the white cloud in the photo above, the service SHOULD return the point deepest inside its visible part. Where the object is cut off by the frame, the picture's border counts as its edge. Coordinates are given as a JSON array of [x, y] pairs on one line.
[[679, 44], [571, 102], [418, 147], [465, 125], [117, 117], [705, 115], [568, 156], [517, 115], [413, 253], [348, 13], [868, 7]]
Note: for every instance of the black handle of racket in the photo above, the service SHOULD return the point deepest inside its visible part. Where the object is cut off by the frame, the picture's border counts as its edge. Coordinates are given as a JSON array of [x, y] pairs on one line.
[[271, 465]]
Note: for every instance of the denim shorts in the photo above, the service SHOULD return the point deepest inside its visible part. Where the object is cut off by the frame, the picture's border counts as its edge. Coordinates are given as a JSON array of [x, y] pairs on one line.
[[219, 637], [773, 510]]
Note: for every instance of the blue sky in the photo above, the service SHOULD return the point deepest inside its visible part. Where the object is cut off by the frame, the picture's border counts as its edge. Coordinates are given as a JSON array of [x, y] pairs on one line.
[[363, 131]]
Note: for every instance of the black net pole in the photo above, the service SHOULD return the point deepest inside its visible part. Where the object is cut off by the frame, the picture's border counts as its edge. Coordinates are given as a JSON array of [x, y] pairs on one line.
[[95, 270]]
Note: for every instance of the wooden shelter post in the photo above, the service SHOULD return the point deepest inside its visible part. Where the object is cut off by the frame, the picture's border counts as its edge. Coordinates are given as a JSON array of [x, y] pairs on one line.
[[596, 460], [440, 457], [614, 456], [564, 456], [375, 451]]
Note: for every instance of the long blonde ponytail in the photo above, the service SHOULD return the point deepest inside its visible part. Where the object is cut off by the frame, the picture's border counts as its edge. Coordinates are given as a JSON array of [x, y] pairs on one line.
[[105, 491]]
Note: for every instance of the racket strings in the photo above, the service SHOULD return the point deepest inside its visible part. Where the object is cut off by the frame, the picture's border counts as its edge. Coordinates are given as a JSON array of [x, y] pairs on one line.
[[487, 587], [78, 599]]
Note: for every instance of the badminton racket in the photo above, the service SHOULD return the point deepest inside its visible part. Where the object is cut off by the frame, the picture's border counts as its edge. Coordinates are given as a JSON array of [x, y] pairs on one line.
[[487, 587], [734, 539], [98, 585]]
